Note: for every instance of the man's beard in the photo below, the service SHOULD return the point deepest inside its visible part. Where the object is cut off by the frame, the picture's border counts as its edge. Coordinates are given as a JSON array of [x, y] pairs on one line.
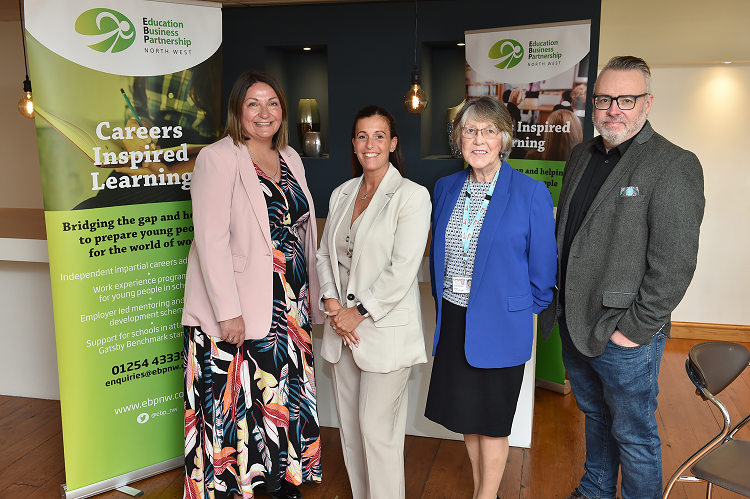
[[630, 129]]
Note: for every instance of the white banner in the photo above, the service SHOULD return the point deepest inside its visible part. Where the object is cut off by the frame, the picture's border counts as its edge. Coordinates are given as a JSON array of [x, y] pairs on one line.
[[525, 54], [126, 38]]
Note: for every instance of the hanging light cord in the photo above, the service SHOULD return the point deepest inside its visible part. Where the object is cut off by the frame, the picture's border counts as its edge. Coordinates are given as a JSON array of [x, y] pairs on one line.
[[416, 17], [23, 38]]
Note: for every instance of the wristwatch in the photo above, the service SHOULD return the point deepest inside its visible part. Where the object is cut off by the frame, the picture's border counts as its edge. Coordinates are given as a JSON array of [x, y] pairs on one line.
[[362, 310]]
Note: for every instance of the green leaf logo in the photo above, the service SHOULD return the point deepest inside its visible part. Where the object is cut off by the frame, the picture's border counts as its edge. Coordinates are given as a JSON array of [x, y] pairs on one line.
[[510, 53], [112, 31]]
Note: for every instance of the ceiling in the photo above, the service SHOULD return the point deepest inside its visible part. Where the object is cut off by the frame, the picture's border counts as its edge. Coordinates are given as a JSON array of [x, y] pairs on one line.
[[9, 9], [695, 35]]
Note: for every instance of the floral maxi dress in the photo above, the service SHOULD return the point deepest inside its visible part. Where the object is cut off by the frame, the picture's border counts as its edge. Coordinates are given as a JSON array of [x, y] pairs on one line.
[[250, 413]]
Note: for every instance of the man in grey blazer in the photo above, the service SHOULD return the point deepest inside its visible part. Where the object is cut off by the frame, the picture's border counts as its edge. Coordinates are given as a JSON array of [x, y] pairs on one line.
[[628, 222]]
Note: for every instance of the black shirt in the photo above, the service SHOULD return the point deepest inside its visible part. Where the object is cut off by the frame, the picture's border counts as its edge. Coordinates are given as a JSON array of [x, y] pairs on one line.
[[600, 166]]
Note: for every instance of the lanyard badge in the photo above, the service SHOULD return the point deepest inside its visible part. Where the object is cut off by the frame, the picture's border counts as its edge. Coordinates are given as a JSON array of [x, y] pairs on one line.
[[462, 284]]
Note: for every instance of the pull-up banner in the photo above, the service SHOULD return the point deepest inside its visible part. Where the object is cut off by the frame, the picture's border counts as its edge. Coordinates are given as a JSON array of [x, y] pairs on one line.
[[541, 73], [126, 93]]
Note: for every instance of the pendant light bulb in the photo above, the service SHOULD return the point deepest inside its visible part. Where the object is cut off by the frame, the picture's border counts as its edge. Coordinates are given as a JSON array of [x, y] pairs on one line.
[[415, 100], [26, 103]]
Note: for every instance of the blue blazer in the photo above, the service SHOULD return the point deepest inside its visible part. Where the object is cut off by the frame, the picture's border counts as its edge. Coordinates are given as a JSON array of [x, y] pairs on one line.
[[515, 268]]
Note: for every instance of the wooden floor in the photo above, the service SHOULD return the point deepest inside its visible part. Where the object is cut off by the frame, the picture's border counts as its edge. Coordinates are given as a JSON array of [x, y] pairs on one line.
[[31, 454]]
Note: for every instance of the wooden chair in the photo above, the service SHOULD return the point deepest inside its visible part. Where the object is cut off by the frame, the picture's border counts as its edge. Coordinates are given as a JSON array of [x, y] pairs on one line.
[[724, 461]]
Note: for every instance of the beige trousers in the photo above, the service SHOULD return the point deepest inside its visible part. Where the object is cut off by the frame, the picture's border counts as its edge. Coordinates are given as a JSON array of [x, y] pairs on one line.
[[372, 420]]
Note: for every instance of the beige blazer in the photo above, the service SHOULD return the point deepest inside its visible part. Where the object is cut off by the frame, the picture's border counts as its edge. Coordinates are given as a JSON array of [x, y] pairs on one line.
[[230, 264], [389, 247]]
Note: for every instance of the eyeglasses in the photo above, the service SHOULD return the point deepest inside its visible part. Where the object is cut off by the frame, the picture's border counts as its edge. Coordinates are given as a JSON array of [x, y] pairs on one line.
[[488, 132], [624, 102]]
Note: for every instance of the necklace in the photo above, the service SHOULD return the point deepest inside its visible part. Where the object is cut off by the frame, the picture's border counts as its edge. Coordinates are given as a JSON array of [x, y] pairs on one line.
[[365, 196], [261, 166]]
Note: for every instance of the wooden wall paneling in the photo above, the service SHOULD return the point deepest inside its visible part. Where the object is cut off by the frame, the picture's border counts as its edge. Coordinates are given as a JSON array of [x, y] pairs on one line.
[[710, 332], [22, 223]]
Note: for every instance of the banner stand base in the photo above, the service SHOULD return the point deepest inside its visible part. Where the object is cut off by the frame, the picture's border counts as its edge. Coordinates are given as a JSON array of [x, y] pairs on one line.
[[122, 480], [130, 491], [562, 389]]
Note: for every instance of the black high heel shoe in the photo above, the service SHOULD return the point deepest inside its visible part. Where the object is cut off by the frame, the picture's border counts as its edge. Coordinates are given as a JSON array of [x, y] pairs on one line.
[[286, 491]]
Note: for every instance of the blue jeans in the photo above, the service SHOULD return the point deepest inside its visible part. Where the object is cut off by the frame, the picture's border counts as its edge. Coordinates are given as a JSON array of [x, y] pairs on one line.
[[617, 393]]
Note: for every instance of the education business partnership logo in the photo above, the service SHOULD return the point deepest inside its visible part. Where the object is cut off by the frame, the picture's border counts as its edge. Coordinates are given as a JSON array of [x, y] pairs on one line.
[[508, 51], [111, 30]]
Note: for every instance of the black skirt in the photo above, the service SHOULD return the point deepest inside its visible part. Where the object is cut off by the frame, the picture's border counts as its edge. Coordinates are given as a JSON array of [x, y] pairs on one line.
[[467, 399]]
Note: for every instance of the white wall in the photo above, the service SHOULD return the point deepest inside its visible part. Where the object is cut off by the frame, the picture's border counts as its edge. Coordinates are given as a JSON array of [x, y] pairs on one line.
[[29, 365], [683, 32], [704, 109], [700, 105]]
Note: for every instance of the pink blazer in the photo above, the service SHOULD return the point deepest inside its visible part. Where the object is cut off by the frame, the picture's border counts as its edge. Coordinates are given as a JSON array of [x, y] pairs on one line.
[[230, 264]]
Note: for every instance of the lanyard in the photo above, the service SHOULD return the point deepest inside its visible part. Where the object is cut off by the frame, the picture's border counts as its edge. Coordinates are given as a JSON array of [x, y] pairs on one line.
[[468, 231]]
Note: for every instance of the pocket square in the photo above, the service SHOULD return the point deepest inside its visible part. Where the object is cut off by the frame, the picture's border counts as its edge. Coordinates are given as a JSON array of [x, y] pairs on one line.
[[629, 191]]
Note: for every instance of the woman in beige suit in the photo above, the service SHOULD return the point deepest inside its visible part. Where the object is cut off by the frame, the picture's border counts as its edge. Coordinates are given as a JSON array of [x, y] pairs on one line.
[[371, 249], [250, 413]]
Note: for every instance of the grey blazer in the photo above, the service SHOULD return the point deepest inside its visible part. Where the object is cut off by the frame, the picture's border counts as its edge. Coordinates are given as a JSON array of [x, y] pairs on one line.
[[635, 253]]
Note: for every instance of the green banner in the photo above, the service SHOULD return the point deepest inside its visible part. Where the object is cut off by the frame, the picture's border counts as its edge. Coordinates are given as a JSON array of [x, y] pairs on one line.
[[118, 279], [549, 172], [549, 364], [126, 93]]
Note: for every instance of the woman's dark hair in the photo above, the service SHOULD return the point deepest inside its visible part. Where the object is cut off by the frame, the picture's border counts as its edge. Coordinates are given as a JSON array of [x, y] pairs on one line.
[[234, 128], [395, 157]]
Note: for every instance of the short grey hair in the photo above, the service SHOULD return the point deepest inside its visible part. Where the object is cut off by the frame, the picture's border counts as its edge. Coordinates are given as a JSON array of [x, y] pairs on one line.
[[627, 63], [486, 109]]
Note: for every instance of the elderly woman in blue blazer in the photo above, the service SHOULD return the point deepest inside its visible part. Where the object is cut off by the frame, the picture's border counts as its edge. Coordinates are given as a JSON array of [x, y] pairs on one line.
[[493, 262]]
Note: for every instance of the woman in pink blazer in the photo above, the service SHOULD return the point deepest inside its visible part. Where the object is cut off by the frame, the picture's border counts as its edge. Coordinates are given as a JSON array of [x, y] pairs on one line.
[[250, 413]]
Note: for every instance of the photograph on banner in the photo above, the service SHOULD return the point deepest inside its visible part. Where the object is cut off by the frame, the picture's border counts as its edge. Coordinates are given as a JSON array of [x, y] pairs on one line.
[[541, 74], [93, 150], [126, 94]]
